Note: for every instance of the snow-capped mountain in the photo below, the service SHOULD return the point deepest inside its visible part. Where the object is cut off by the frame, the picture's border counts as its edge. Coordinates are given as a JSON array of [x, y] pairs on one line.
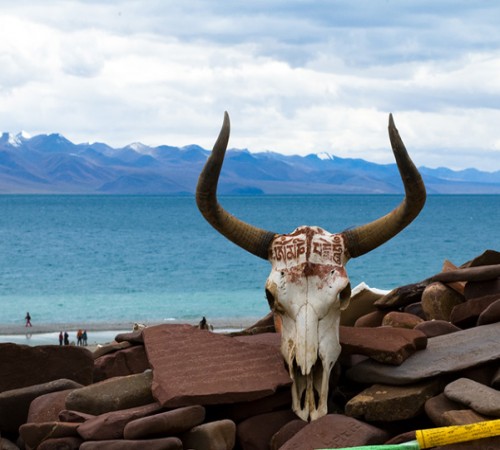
[[53, 164]]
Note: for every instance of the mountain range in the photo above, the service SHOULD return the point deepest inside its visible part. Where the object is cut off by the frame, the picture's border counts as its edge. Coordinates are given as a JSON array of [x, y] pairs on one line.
[[51, 164]]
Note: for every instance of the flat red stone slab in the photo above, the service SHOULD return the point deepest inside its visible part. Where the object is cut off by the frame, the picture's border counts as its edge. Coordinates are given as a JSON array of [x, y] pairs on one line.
[[192, 366]]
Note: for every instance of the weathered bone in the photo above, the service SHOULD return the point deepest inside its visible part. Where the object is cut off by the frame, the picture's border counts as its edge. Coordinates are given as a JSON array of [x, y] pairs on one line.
[[308, 285]]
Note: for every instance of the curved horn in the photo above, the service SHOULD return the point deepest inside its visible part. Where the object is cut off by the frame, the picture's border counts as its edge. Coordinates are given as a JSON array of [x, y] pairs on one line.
[[253, 239], [365, 238]]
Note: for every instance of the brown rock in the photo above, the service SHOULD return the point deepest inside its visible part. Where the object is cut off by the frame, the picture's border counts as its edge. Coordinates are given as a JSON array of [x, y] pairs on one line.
[[438, 300], [392, 403], [111, 425], [112, 395], [5, 444], [362, 302], [462, 417], [433, 328], [74, 416], [384, 344], [401, 438], [490, 315], [134, 337], [112, 347], [51, 361], [335, 431], [256, 432], [46, 408], [219, 435], [436, 407], [458, 286], [14, 404], [286, 432], [63, 443], [487, 258], [372, 319], [466, 314], [121, 363], [415, 309], [271, 339], [495, 382], [167, 423], [401, 320], [444, 354], [476, 289], [169, 443], [237, 412], [477, 396], [192, 366], [33, 434]]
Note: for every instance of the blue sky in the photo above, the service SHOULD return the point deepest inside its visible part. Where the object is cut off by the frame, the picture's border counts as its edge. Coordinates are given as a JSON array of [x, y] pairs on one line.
[[296, 77]]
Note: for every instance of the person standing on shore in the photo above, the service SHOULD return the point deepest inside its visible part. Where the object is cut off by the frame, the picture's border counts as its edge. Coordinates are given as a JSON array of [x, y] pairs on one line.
[[28, 320], [84, 337], [61, 338], [66, 338]]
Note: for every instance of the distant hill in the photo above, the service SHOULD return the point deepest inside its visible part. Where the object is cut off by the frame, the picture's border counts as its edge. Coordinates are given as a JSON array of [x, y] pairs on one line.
[[52, 164]]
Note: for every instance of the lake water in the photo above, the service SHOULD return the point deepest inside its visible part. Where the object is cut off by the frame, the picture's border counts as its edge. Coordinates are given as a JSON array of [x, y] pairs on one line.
[[117, 259]]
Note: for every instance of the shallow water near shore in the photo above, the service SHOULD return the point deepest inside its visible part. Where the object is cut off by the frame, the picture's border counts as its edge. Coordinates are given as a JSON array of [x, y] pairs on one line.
[[112, 260]]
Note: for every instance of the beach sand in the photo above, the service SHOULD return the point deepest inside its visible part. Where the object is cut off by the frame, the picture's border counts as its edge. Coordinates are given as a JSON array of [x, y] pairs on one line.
[[98, 333]]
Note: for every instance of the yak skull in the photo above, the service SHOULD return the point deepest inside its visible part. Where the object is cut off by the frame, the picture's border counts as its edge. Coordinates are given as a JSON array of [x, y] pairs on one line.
[[308, 286], [307, 289]]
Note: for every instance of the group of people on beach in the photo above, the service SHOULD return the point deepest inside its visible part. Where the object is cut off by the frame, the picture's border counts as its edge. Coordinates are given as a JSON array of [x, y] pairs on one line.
[[81, 338]]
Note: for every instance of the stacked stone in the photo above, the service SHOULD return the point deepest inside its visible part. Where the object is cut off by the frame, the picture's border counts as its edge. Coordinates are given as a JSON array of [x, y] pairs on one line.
[[422, 356]]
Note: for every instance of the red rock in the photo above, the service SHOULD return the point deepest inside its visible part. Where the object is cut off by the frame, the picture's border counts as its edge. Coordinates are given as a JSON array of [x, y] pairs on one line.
[[433, 328], [466, 314], [490, 315], [169, 423], [15, 404], [335, 431], [169, 443], [286, 432], [52, 362], [33, 434], [219, 435], [46, 408], [384, 344], [192, 366], [120, 363], [256, 432], [401, 320], [5, 444], [134, 337], [237, 412], [272, 339], [111, 425], [63, 443], [74, 416], [372, 319], [437, 406], [110, 348]]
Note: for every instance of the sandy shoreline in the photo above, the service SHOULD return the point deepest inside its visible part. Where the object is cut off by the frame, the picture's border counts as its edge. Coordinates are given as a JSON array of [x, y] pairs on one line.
[[98, 333]]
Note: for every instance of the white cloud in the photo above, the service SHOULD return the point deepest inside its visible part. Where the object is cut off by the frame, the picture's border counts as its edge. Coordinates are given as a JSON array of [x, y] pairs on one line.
[[295, 77]]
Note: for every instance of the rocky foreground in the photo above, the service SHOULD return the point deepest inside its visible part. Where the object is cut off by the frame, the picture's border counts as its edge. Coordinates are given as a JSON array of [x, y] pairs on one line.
[[422, 356]]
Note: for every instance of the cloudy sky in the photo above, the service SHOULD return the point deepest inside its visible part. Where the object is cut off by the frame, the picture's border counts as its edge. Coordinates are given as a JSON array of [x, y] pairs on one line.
[[296, 77]]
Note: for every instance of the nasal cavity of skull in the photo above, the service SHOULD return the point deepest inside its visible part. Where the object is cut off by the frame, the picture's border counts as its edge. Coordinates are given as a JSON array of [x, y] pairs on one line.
[[316, 376]]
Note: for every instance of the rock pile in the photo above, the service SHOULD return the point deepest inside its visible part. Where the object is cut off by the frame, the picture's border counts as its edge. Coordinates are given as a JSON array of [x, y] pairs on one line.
[[421, 356]]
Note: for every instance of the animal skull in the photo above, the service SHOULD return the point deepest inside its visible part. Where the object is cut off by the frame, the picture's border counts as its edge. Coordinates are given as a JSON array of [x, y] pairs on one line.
[[308, 286]]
